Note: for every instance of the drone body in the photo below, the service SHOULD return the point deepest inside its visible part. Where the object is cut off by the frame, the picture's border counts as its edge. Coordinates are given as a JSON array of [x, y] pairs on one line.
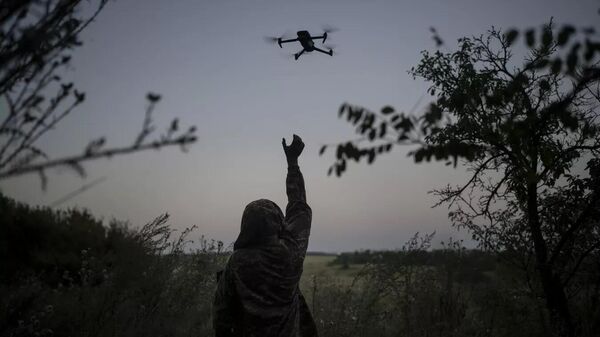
[[308, 45]]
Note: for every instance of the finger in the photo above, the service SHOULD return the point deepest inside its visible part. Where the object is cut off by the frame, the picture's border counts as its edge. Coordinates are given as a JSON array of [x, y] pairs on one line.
[[283, 142]]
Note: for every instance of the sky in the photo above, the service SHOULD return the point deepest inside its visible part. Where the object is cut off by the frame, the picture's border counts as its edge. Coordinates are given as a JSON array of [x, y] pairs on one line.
[[214, 70]]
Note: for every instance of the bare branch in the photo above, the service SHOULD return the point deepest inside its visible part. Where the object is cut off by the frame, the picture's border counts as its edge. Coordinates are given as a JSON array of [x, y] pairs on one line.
[[70, 161]]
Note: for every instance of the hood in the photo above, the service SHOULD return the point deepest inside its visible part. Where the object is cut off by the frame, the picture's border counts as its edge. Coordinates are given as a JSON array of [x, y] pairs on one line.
[[261, 223]]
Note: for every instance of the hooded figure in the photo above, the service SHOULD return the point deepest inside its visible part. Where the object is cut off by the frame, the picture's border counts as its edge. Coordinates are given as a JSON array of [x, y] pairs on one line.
[[258, 293]]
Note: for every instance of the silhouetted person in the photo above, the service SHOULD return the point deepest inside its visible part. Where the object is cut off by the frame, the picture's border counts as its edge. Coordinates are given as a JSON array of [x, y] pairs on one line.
[[258, 293]]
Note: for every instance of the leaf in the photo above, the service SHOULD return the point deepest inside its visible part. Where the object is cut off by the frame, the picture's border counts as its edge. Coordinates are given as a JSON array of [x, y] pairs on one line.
[[386, 110], [152, 97], [340, 168], [419, 155], [342, 109], [339, 152], [367, 123], [357, 115], [436, 37], [322, 150], [547, 37], [530, 38], [350, 114], [371, 156], [511, 36], [406, 125], [565, 33], [94, 146], [372, 134], [382, 129], [174, 125], [79, 96]]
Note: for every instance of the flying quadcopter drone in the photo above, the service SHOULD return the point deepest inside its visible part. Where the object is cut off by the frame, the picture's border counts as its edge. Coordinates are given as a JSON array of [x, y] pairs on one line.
[[306, 40]]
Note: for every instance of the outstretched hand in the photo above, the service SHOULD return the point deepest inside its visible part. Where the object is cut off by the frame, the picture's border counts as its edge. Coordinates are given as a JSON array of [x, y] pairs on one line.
[[293, 151]]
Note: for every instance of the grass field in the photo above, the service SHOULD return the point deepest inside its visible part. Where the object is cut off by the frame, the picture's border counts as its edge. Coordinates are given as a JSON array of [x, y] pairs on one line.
[[319, 265], [317, 268]]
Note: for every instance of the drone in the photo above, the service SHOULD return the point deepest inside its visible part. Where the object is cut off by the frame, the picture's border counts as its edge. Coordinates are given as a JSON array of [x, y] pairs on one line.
[[306, 40]]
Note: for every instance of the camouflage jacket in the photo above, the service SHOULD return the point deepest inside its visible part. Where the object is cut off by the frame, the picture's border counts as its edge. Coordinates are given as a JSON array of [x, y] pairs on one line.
[[258, 293]]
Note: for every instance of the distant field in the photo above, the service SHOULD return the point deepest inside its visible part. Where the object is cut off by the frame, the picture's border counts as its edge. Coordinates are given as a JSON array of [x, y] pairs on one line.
[[318, 266]]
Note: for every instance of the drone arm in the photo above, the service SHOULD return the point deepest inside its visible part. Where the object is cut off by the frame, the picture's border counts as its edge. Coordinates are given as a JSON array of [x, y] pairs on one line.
[[330, 52], [297, 55], [280, 41], [324, 37]]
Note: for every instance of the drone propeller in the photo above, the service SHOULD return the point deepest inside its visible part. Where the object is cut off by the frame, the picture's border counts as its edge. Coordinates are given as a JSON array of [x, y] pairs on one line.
[[271, 39], [276, 39], [329, 29]]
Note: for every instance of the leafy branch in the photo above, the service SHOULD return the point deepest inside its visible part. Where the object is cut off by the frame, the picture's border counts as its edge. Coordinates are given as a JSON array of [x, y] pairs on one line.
[[95, 148], [35, 45]]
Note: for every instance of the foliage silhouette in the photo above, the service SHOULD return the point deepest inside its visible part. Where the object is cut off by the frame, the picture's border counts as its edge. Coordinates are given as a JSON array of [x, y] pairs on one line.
[[521, 131], [36, 43], [65, 273]]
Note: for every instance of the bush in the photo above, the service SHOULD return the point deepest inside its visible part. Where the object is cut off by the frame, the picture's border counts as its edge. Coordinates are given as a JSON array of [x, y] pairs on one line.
[[69, 275]]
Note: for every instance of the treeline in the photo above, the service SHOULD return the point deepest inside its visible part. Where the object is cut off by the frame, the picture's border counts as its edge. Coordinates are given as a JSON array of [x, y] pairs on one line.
[[468, 265], [474, 258]]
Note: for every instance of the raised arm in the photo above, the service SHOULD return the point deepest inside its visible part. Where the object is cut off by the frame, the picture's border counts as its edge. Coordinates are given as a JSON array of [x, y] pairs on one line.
[[298, 214]]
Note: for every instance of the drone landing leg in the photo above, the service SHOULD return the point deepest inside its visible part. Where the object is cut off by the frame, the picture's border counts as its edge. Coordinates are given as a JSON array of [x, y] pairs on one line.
[[297, 55], [330, 52]]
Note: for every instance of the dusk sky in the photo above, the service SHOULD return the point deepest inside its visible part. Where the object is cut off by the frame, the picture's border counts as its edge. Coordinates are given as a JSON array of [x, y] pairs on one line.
[[213, 68]]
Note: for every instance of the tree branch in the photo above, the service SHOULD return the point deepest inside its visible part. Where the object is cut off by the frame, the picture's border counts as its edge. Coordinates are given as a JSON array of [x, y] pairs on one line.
[[69, 161]]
